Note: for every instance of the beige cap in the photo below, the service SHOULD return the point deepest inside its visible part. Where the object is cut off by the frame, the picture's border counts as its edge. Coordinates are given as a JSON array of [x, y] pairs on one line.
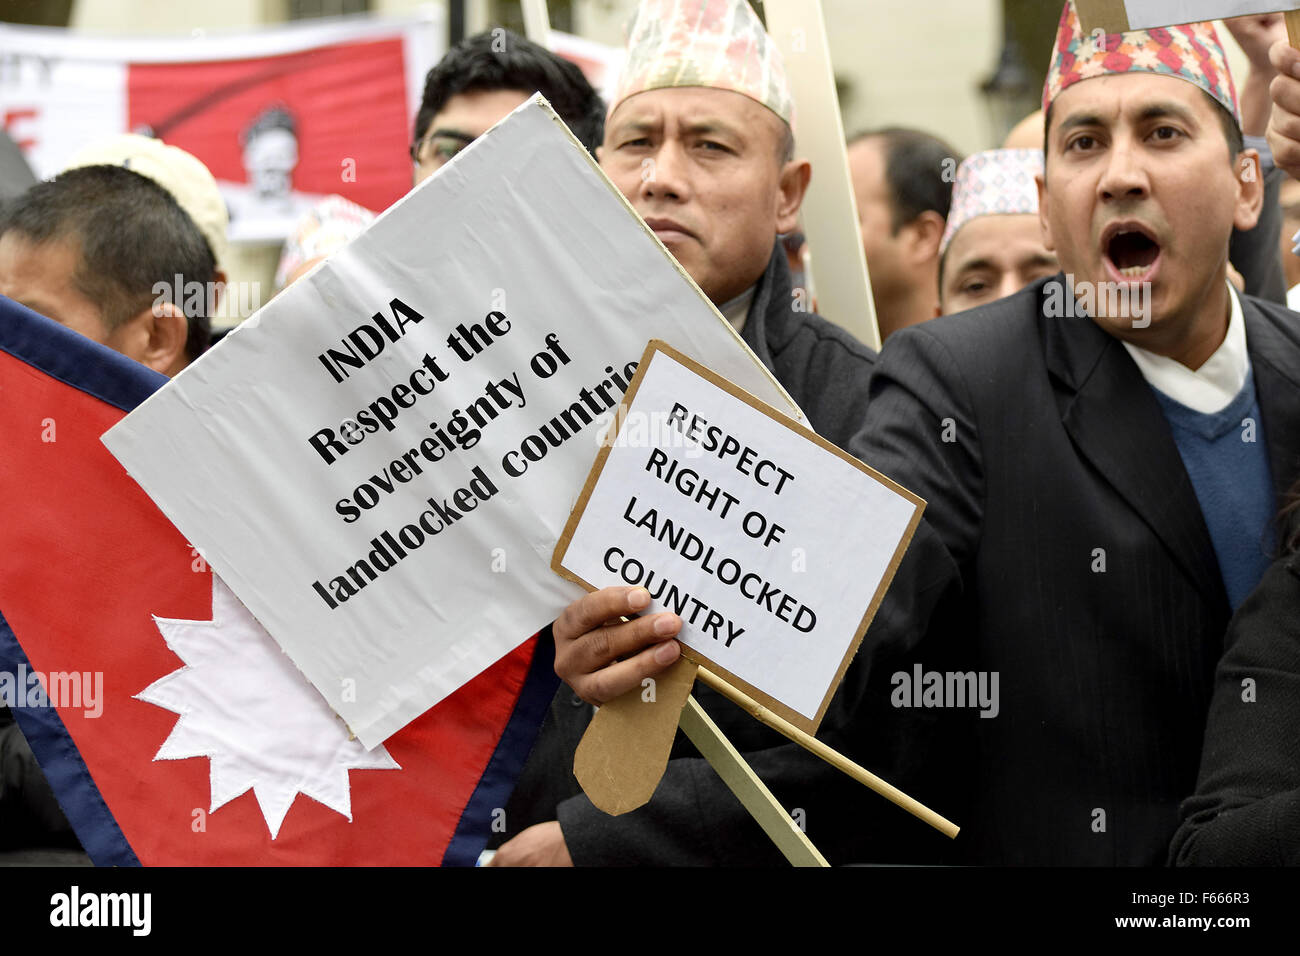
[[178, 172]]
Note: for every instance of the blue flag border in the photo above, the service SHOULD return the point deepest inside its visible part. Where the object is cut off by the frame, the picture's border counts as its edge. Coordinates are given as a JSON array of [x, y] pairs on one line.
[[102, 373], [502, 771]]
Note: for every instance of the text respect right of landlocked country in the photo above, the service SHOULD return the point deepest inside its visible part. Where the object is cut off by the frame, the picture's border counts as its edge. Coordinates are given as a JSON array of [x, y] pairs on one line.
[[678, 534]]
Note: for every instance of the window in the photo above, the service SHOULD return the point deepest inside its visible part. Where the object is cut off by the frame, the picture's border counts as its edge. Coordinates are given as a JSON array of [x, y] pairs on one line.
[[308, 9], [509, 14]]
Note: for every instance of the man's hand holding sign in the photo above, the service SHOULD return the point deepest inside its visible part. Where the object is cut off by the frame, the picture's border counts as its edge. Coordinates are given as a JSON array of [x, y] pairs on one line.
[[1284, 123], [603, 649], [764, 548]]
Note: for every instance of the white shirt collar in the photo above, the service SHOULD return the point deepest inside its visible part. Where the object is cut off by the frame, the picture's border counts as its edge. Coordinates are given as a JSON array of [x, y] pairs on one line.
[[736, 310], [1213, 386]]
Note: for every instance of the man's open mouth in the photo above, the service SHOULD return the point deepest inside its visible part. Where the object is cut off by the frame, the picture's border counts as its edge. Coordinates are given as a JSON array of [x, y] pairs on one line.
[[1131, 250]]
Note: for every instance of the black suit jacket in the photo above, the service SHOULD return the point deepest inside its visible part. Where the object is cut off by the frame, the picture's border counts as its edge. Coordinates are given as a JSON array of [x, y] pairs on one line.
[[1044, 457], [1246, 809]]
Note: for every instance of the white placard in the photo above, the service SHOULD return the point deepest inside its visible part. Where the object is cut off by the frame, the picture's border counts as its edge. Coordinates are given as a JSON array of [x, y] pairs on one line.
[[390, 520], [773, 546]]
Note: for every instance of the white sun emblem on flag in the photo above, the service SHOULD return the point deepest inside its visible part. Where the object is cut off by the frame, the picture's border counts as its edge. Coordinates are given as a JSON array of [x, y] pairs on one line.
[[246, 707]]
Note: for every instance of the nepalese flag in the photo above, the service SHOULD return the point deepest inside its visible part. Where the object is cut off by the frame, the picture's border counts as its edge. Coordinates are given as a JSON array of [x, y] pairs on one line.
[[169, 725]]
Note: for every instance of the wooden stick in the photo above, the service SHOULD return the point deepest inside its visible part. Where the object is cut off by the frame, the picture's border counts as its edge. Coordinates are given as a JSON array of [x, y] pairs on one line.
[[1293, 27], [749, 790], [835, 759]]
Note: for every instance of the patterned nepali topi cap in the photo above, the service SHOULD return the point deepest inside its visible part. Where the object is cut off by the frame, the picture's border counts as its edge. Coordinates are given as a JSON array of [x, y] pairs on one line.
[[715, 43], [997, 182], [1189, 52]]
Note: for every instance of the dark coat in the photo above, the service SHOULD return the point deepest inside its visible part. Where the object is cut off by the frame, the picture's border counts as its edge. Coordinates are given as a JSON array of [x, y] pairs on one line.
[[1255, 253], [30, 817], [826, 371], [1057, 456], [1246, 809]]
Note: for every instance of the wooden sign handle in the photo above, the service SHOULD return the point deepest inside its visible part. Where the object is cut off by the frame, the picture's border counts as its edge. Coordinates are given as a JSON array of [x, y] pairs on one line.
[[624, 752], [1293, 27]]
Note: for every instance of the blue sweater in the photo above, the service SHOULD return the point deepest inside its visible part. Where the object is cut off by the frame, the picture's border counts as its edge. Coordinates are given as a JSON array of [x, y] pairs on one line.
[[1225, 457]]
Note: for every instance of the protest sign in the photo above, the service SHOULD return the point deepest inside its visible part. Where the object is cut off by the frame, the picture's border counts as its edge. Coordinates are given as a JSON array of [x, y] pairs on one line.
[[380, 461], [1117, 16], [771, 544]]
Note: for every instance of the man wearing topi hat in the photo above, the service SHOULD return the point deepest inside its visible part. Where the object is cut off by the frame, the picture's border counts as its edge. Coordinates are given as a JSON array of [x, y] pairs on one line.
[[1102, 454], [992, 244], [699, 140]]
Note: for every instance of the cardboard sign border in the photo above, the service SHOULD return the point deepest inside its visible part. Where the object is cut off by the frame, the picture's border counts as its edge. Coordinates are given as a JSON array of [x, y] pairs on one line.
[[1110, 15], [653, 348]]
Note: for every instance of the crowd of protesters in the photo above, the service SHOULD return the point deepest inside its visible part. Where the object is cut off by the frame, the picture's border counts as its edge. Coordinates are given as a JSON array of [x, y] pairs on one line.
[[1112, 522]]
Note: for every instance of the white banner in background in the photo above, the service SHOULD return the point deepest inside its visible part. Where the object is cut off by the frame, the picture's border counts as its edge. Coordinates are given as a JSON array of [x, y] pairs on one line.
[[282, 116]]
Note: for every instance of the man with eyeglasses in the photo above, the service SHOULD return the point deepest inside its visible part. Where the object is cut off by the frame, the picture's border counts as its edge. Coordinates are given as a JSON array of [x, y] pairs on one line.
[[481, 80]]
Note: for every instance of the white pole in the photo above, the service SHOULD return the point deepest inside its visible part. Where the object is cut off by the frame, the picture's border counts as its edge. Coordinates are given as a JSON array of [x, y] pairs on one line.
[[537, 22], [830, 213]]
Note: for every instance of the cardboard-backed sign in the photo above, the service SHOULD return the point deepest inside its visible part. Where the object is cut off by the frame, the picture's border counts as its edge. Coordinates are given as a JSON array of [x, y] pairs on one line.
[[773, 546], [1116, 16], [380, 461]]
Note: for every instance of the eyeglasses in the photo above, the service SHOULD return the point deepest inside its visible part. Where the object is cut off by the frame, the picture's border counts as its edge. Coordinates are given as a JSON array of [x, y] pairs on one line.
[[442, 147]]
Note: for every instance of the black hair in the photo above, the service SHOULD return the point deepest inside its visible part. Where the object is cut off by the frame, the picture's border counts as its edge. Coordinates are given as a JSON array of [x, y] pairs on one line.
[[1231, 130], [501, 59], [131, 235], [272, 118], [919, 172]]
